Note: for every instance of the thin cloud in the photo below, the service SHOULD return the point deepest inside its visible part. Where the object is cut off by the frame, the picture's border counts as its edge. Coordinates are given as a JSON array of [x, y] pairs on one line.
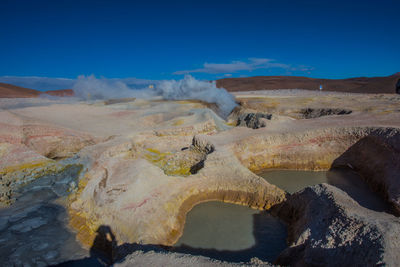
[[236, 66], [303, 68], [249, 65], [48, 83]]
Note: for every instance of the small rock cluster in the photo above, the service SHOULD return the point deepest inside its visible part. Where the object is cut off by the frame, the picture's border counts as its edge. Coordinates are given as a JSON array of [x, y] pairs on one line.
[[253, 120], [312, 113]]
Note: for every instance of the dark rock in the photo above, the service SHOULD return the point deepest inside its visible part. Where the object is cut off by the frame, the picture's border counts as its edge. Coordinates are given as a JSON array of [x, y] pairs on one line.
[[198, 166], [398, 87], [311, 113], [253, 120], [328, 228]]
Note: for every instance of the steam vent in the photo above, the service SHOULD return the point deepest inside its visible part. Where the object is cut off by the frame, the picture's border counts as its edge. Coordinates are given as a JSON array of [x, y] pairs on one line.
[[300, 179], [199, 133]]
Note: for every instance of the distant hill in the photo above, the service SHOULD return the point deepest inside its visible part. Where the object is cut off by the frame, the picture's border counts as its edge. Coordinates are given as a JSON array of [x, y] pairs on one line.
[[353, 85], [12, 91], [9, 91]]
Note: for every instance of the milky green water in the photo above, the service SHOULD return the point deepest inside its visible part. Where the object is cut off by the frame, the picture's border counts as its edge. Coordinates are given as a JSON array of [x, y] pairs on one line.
[[237, 233], [232, 232], [344, 179], [293, 180], [219, 225]]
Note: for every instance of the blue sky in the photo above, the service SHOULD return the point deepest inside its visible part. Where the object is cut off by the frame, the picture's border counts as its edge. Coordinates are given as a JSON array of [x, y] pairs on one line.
[[208, 39]]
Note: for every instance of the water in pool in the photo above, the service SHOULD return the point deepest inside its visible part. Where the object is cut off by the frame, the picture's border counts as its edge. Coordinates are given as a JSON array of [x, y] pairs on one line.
[[237, 233], [293, 180], [345, 179], [232, 232]]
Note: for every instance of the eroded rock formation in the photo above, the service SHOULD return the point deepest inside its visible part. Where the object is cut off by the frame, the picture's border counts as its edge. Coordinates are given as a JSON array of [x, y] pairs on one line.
[[377, 158], [133, 194], [328, 228], [28, 149]]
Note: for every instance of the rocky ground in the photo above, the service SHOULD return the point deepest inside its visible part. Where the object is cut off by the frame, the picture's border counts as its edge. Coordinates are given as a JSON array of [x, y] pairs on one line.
[[145, 163]]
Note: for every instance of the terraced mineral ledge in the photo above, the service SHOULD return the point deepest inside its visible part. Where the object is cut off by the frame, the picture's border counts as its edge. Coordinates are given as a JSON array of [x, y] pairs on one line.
[[131, 170]]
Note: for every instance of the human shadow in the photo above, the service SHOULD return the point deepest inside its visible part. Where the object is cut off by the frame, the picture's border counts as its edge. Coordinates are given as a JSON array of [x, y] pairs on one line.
[[269, 233], [101, 252], [104, 245], [105, 251]]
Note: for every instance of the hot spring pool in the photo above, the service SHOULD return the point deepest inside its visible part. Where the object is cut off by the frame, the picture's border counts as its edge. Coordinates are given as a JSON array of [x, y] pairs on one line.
[[345, 179], [237, 233], [232, 232], [293, 180]]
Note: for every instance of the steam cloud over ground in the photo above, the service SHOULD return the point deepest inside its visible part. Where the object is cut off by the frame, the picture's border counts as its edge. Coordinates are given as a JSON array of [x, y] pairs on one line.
[[91, 88], [190, 88]]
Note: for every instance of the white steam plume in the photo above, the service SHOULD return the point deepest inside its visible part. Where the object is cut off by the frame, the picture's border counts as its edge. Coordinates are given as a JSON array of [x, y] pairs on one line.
[[190, 88], [91, 88]]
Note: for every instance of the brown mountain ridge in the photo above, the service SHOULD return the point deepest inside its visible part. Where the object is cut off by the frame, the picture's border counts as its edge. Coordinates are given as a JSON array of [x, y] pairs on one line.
[[13, 91], [353, 85]]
